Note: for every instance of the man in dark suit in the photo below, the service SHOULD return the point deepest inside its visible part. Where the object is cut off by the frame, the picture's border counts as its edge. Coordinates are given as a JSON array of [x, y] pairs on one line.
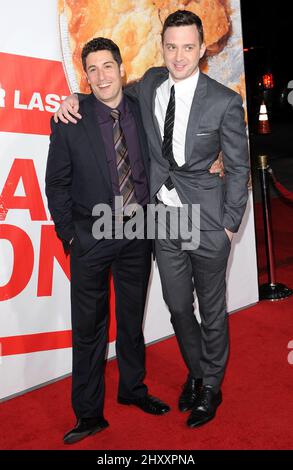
[[189, 118], [104, 156]]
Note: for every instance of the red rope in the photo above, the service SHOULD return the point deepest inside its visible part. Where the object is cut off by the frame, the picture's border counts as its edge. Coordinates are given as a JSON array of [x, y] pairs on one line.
[[282, 190]]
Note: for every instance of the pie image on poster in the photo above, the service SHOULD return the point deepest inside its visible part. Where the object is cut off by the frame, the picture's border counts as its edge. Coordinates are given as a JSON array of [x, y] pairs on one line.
[[135, 25]]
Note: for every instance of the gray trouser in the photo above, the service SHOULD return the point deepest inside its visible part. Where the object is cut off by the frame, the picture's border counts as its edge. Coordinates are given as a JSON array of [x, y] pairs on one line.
[[204, 347]]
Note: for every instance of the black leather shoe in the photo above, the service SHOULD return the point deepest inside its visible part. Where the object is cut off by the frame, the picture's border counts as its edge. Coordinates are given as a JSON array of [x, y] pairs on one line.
[[190, 392], [205, 407], [148, 404], [85, 427]]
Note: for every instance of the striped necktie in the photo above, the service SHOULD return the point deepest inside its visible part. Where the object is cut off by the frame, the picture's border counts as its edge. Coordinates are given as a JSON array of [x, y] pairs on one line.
[[167, 148], [125, 178]]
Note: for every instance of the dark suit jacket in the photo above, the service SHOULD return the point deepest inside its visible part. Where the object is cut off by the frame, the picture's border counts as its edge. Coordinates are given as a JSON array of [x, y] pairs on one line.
[[77, 176], [216, 122]]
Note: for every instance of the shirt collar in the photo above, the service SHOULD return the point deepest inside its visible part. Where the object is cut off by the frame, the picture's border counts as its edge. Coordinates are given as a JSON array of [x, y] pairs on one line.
[[104, 111], [184, 87]]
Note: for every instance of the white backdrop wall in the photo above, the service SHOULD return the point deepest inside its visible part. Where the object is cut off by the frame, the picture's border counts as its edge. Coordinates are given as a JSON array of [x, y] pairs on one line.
[[34, 284]]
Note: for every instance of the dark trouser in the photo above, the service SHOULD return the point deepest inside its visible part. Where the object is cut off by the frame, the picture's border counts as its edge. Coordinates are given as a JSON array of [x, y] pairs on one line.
[[129, 261], [204, 347]]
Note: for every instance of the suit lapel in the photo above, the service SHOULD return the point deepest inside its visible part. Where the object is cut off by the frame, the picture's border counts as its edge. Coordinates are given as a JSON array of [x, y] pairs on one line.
[[134, 107], [159, 79], [90, 123], [195, 114], [155, 121]]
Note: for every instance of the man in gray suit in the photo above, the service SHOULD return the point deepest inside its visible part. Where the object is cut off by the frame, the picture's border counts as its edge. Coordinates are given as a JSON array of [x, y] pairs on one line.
[[189, 118]]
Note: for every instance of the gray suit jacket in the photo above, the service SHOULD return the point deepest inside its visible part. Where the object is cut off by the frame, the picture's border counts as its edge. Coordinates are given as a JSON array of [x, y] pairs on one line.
[[216, 122]]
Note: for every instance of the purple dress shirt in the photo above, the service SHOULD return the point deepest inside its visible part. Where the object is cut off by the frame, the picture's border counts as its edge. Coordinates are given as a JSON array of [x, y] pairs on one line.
[[128, 126]]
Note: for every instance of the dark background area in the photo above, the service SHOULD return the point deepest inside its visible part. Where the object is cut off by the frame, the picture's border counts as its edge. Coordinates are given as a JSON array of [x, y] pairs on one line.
[[268, 39], [269, 24]]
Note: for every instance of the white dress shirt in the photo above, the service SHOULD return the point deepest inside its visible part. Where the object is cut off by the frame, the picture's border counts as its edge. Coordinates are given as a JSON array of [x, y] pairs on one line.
[[184, 92]]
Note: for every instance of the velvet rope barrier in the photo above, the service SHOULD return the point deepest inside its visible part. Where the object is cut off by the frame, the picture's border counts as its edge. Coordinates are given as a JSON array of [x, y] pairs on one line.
[[282, 190], [271, 290]]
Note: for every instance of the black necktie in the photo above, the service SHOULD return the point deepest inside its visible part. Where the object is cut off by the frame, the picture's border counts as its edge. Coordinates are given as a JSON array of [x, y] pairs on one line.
[[125, 178], [167, 148]]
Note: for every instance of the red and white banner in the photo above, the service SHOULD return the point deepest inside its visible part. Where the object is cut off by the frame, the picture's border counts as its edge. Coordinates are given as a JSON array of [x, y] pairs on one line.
[[35, 336]]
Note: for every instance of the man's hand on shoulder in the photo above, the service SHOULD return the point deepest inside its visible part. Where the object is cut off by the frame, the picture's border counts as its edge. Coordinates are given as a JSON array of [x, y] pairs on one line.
[[68, 110]]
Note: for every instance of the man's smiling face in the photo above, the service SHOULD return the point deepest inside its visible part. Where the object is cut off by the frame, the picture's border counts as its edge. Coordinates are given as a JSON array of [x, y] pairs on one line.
[[182, 50], [105, 77]]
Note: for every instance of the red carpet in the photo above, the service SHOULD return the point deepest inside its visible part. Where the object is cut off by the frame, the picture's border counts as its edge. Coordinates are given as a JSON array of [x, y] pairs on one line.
[[256, 413]]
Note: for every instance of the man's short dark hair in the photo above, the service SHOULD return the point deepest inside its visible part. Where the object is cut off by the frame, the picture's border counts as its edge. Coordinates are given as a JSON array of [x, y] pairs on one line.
[[100, 44], [183, 18]]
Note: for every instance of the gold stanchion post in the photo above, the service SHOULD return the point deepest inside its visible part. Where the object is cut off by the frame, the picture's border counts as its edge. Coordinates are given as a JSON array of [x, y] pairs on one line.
[[271, 290]]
